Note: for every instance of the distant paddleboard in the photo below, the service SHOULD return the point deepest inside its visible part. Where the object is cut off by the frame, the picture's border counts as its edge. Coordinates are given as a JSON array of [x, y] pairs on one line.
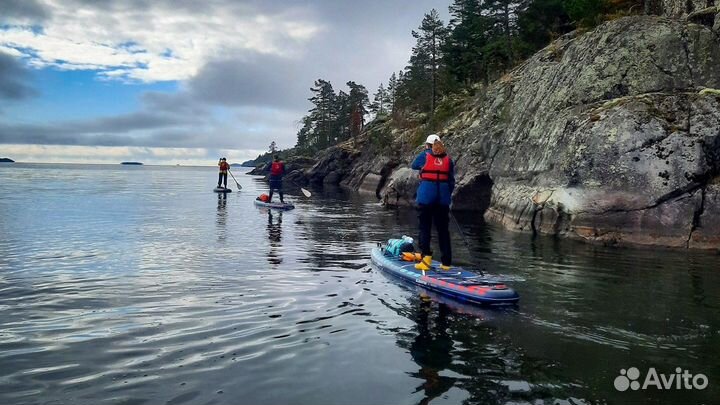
[[275, 205], [222, 190]]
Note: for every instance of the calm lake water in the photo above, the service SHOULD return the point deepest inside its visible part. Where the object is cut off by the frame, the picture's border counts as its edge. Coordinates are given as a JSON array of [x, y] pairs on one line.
[[132, 285]]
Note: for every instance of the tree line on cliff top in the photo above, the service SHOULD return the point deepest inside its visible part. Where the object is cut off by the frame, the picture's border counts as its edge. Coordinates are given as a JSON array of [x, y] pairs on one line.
[[483, 40]]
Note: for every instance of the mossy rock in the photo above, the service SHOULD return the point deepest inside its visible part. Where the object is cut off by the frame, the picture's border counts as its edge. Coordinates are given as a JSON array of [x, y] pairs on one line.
[[710, 92]]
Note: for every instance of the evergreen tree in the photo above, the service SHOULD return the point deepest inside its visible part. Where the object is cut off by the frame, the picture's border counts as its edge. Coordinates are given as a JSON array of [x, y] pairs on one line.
[[358, 102], [380, 101], [464, 54], [541, 22], [391, 92], [323, 114], [343, 110], [423, 72]]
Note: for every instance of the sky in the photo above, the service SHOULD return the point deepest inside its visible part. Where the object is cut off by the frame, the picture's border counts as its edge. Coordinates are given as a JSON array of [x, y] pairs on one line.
[[183, 81]]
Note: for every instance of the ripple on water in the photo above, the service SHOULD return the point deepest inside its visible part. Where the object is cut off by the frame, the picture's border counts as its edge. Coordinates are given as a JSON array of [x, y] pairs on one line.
[[142, 288]]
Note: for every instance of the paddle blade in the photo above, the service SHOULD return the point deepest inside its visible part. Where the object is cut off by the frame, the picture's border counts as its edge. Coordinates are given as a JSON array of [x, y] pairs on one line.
[[304, 191]]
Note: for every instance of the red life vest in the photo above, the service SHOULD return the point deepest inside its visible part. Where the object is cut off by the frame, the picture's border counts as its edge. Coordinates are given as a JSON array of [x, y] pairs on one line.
[[224, 166], [276, 169], [437, 168]]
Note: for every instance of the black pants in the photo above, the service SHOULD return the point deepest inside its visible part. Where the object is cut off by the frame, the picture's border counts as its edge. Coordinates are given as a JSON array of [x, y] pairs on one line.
[[276, 185], [440, 215], [222, 178]]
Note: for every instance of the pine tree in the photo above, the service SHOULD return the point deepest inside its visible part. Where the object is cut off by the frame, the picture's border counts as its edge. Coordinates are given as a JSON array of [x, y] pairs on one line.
[[323, 114], [358, 101], [426, 58], [380, 101], [468, 36], [392, 92]]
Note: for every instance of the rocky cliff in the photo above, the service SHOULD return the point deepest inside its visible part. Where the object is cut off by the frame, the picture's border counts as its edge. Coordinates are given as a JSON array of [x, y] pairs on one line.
[[610, 136]]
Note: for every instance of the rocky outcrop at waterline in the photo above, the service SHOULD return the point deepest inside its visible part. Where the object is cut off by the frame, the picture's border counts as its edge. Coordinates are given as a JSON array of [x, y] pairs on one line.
[[294, 169], [605, 137], [610, 136]]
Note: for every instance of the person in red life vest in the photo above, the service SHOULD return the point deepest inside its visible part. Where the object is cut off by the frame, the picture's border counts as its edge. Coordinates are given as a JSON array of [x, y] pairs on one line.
[[277, 170], [224, 167], [437, 181]]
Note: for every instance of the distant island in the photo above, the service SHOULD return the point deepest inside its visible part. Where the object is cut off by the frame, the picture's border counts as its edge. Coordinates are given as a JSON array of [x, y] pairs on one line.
[[236, 165], [6, 160], [251, 163], [132, 163]]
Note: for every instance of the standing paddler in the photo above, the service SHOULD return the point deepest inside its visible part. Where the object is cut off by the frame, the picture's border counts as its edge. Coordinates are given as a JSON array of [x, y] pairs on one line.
[[222, 176], [277, 171], [437, 181]]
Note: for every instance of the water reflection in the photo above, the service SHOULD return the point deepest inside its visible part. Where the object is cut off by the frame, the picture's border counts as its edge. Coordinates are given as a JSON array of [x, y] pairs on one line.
[[274, 230], [432, 348], [221, 217], [126, 294]]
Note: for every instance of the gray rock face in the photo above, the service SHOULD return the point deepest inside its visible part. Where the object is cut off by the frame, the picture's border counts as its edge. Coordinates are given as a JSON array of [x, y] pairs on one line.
[[677, 8], [602, 137], [332, 165], [401, 187], [612, 136]]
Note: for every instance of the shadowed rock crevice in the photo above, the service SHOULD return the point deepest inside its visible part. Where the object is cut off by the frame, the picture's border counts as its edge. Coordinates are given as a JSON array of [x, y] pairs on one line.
[[474, 194]]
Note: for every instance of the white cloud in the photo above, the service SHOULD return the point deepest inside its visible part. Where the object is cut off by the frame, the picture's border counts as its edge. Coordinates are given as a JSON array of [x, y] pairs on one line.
[[10, 51], [115, 155], [159, 41]]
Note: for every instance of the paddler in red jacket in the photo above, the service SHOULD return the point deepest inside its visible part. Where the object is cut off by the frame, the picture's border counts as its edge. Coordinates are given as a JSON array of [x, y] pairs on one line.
[[224, 167], [277, 171]]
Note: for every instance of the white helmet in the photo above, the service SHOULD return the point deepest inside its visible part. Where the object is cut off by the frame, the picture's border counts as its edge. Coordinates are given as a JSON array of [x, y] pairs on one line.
[[431, 139]]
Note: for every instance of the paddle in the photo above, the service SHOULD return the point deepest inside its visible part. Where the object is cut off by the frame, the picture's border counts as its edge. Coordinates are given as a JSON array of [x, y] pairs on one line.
[[236, 182], [304, 191], [462, 234], [307, 193]]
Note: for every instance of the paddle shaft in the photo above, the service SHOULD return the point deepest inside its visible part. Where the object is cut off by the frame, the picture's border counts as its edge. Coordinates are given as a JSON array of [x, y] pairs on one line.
[[462, 235], [236, 182], [304, 191]]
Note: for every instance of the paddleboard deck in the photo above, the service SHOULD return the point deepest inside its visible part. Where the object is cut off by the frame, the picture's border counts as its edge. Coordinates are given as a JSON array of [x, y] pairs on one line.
[[222, 190], [274, 205], [457, 283]]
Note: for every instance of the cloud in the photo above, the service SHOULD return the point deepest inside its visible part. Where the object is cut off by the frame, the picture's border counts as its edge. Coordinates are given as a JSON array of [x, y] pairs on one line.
[[243, 68], [115, 155], [159, 40], [241, 128], [23, 11], [264, 80], [13, 77]]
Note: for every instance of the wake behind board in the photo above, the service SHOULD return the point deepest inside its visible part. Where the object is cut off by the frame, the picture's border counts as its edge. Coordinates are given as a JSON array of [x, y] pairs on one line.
[[222, 190], [457, 283], [274, 205]]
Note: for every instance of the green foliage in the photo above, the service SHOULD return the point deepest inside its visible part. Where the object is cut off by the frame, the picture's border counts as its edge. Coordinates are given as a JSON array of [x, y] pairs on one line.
[[380, 138], [483, 40], [542, 22], [448, 107], [585, 13], [334, 117]]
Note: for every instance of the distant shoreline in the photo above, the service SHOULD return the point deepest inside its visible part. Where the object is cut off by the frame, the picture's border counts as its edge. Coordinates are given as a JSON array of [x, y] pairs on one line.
[[6, 160], [108, 164]]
